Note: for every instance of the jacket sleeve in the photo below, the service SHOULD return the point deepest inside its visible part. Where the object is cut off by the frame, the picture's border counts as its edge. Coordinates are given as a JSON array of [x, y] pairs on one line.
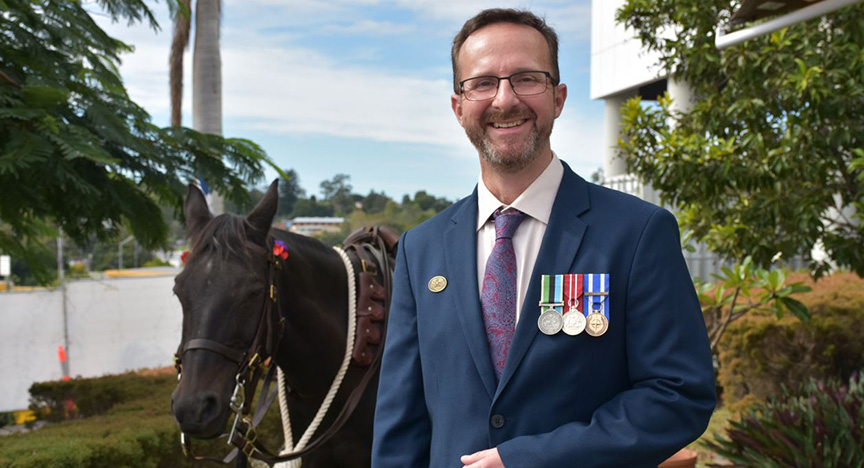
[[672, 391], [402, 431]]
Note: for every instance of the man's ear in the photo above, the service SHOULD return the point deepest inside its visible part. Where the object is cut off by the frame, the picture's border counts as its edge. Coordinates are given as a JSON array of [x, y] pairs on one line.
[[560, 95], [195, 210], [258, 222], [456, 104]]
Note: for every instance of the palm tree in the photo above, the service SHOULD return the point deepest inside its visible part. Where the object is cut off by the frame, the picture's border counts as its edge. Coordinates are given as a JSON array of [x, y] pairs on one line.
[[206, 70]]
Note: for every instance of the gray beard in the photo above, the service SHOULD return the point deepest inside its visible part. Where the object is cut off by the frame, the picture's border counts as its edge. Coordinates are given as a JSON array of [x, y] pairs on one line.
[[511, 160]]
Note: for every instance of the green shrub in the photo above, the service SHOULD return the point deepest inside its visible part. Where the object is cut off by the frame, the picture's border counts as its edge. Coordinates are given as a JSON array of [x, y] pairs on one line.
[[136, 429], [759, 353], [820, 425], [7, 419], [155, 262], [90, 396]]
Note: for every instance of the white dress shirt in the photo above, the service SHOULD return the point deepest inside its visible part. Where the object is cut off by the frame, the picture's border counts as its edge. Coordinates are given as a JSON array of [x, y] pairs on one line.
[[536, 202]]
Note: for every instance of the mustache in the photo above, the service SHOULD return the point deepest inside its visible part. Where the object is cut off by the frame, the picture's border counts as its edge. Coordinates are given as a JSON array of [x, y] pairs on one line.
[[513, 114]]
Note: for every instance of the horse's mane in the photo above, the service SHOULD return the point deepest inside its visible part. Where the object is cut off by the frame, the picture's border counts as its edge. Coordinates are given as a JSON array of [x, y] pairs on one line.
[[225, 234]]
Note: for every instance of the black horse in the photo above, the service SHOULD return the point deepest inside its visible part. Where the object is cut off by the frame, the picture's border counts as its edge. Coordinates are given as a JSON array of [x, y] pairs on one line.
[[225, 289]]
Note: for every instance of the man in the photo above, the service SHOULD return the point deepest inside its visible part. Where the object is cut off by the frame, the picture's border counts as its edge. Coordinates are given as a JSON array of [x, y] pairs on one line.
[[460, 383]]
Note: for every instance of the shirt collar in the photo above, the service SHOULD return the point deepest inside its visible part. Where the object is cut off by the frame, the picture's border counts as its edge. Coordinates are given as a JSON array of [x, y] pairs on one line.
[[536, 201]]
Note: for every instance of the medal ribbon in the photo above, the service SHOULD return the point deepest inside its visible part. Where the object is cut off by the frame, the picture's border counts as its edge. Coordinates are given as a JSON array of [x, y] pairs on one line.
[[579, 280], [598, 283], [544, 287], [604, 287], [593, 301], [573, 292], [559, 290]]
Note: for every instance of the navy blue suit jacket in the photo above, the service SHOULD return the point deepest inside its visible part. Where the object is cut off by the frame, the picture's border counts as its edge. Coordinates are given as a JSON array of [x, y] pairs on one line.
[[629, 398]]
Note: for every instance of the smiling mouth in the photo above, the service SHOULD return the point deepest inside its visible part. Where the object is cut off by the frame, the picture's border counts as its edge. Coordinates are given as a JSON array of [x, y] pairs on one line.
[[508, 124]]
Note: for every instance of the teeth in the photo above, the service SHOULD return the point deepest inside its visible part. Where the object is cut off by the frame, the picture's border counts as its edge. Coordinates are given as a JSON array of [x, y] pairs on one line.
[[507, 125]]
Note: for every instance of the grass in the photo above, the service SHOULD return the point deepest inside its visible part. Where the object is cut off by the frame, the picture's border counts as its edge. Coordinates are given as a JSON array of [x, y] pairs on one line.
[[137, 432], [718, 424]]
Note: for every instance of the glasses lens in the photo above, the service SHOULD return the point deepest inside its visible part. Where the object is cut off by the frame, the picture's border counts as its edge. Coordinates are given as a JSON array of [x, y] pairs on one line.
[[480, 88], [528, 83]]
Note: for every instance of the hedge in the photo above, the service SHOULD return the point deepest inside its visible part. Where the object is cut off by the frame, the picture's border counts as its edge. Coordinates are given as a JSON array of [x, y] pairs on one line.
[[758, 354], [136, 429]]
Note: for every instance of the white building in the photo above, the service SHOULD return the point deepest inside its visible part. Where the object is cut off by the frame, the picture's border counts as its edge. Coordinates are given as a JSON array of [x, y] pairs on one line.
[[310, 226], [620, 70]]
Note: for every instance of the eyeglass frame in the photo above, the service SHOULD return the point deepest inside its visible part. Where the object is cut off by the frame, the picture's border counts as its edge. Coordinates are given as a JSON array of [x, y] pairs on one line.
[[500, 78]]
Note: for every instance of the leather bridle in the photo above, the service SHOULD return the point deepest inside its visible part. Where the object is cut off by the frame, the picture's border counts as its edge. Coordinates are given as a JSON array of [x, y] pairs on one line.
[[252, 361]]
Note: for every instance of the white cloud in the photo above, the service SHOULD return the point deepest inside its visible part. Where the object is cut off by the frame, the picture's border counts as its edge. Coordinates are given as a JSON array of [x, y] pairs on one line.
[[279, 90], [298, 90], [370, 27]]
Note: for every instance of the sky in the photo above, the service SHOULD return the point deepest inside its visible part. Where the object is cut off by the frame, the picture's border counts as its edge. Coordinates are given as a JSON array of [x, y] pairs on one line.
[[360, 87]]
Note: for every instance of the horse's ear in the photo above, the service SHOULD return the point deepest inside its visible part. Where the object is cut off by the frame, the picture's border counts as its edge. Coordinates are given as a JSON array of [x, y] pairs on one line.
[[259, 220], [196, 211]]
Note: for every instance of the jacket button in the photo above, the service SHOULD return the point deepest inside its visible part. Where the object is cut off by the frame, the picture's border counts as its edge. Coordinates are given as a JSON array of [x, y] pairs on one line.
[[497, 421]]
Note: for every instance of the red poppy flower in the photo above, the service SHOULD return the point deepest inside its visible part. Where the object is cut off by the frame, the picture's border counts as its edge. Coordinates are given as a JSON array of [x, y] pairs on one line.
[[280, 250]]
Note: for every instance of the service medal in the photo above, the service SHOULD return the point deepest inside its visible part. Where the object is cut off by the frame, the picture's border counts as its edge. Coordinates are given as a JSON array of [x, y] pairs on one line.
[[550, 321], [596, 324], [574, 319], [573, 323], [597, 303]]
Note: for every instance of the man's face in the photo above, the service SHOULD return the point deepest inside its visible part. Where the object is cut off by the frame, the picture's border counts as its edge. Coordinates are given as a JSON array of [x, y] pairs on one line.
[[509, 131]]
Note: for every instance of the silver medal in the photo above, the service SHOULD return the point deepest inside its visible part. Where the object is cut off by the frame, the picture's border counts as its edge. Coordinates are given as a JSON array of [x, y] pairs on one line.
[[550, 322], [574, 323]]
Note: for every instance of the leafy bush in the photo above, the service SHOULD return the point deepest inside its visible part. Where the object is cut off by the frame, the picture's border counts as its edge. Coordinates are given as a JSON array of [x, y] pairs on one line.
[[6, 419], [759, 353], [155, 262], [90, 396], [821, 425], [137, 429]]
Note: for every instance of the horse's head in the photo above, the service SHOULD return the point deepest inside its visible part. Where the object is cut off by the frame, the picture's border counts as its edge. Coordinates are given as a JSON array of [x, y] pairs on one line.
[[222, 291]]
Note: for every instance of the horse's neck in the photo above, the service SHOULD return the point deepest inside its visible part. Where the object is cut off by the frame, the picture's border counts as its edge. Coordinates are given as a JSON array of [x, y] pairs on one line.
[[313, 301]]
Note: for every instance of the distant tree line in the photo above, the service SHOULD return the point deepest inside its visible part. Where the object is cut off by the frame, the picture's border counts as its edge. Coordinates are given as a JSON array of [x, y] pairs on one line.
[[338, 199]]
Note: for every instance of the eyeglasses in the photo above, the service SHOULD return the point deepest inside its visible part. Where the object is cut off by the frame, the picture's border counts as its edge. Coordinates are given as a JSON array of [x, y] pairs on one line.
[[482, 88]]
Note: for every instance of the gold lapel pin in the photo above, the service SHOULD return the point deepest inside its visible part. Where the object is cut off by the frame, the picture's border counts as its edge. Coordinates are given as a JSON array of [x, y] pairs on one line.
[[437, 284]]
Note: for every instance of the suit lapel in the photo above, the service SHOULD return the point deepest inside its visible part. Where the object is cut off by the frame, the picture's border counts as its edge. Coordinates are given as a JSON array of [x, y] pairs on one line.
[[563, 236], [460, 251]]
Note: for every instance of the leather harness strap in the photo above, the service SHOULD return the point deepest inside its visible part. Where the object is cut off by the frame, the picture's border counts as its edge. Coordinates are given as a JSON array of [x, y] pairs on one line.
[[384, 244], [234, 355], [373, 249]]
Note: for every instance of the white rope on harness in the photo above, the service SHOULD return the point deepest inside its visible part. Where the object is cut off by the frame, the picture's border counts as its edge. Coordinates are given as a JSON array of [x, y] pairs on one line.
[[337, 381]]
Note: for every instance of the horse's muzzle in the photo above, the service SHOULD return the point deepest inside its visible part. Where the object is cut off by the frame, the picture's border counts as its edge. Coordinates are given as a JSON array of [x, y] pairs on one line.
[[202, 415]]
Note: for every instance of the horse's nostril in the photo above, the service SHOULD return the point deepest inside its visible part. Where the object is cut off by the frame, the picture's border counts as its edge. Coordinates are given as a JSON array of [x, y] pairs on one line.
[[209, 407]]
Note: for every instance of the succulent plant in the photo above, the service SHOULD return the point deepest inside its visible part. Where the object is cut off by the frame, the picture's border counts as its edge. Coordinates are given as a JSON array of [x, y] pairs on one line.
[[818, 425]]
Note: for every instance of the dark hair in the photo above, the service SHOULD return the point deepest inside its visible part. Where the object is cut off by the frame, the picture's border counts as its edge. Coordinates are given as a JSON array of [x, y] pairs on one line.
[[505, 15]]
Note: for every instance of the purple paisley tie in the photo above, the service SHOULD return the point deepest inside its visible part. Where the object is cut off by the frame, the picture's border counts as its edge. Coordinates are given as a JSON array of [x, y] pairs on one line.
[[498, 296]]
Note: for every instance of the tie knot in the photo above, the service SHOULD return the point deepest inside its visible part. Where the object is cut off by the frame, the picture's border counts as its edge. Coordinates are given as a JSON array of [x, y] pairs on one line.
[[506, 222]]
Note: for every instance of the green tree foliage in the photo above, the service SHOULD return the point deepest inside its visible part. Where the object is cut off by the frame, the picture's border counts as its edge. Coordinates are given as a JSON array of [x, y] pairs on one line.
[[311, 207], [742, 289], [289, 192], [337, 192], [75, 151], [374, 202], [770, 157], [425, 201]]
